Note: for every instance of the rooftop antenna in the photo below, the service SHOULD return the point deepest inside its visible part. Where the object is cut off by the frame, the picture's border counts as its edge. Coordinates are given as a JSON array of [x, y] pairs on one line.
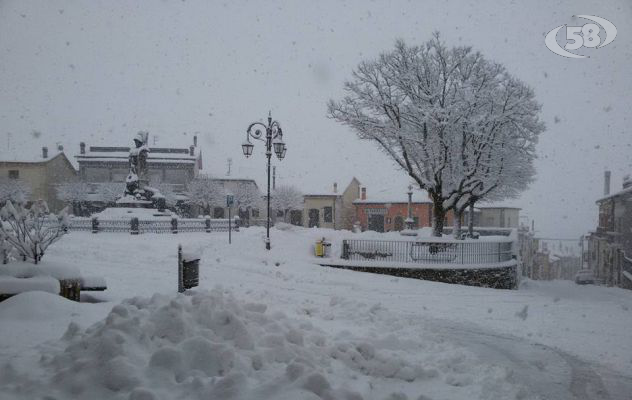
[[230, 163]]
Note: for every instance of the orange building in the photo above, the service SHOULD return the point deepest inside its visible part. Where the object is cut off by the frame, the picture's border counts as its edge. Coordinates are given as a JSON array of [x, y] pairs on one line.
[[389, 214]]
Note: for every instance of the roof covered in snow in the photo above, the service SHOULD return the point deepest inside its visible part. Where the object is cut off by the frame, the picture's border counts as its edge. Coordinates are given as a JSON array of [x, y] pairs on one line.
[[389, 197], [30, 155], [155, 155], [625, 191], [329, 191]]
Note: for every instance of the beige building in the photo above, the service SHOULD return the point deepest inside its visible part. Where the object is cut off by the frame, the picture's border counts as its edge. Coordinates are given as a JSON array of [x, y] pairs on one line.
[[41, 174], [332, 210]]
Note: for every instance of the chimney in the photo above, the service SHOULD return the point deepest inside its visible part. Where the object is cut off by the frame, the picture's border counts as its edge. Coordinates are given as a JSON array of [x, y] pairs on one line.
[[82, 148], [363, 194], [60, 147], [195, 140], [44, 152], [191, 151], [335, 187], [606, 183]]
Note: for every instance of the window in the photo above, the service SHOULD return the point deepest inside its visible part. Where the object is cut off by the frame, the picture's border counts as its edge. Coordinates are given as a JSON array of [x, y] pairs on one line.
[[328, 214], [255, 213], [14, 174]]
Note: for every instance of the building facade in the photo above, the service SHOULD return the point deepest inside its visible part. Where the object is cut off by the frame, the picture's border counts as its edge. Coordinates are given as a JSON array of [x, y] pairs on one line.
[[248, 200], [333, 210], [609, 253], [169, 168], [168, 165], [389, 214], [41, 175]]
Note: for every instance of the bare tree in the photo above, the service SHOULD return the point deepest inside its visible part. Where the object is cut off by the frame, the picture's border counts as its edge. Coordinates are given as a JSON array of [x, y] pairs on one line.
[[31, 230], [167, 191], [205, 192], [109, 192], [248, 197], [287, 198], [448, 117], [75, 193], [14, 190]]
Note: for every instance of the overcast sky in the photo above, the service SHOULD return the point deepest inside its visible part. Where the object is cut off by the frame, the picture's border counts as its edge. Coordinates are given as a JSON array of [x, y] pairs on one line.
[[99, 71]]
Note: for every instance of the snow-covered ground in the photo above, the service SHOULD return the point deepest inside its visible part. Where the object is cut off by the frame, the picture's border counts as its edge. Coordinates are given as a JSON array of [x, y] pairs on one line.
[[276, 325]]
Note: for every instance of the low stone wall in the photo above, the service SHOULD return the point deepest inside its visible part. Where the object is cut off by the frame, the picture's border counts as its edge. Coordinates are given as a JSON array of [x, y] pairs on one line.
[[497, 278]]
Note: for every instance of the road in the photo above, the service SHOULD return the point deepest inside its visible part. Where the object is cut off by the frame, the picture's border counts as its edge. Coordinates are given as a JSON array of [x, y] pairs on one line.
[[547, 372]]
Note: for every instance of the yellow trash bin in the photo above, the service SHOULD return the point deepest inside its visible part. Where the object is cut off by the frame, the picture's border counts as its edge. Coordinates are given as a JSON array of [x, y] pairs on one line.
[[321, 247]]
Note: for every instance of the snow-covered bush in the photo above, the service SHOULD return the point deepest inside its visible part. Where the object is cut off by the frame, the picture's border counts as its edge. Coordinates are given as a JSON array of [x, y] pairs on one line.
[[109, 192], [205, 192], [248, 197], [76, 194], [287, 198], [30, 230], [14, 190]]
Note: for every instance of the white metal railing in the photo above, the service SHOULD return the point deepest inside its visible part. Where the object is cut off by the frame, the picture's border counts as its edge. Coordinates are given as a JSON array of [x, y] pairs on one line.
[[139, 226]]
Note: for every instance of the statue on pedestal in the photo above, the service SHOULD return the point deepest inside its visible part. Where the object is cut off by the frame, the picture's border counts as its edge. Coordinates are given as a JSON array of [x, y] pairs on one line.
[[137, 180]]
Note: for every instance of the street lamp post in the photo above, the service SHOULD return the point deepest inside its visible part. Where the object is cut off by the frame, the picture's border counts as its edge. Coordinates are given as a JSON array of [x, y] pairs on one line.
[[410, 222], [274, 140]]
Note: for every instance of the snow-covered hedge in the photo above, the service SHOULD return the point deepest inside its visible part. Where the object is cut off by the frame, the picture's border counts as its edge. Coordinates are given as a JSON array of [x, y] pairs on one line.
[[30, 230]]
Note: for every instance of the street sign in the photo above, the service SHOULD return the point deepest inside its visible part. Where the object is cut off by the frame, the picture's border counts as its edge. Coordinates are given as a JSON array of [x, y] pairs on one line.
[[230, 199]]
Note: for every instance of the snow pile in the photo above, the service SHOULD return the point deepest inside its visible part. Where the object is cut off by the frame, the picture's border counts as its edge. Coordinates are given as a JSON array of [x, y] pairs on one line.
[[21, 277], [35, 306], [46, 268], [208, 345], [11, 285]]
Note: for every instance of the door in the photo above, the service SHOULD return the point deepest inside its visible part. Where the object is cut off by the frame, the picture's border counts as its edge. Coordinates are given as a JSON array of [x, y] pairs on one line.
[[296, 217], [376, 222], [314, 218], [399, 223]]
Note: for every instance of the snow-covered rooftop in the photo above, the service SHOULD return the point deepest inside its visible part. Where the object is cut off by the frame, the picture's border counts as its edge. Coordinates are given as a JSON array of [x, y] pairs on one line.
[[392, 197], [156, 154], [624, 191], [29, 154]]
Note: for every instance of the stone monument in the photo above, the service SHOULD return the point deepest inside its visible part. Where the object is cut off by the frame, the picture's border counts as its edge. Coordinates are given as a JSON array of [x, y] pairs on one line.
[[138, 193]]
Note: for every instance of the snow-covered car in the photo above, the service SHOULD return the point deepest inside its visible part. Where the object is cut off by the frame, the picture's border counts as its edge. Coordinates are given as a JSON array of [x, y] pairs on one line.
[[584, 277]]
